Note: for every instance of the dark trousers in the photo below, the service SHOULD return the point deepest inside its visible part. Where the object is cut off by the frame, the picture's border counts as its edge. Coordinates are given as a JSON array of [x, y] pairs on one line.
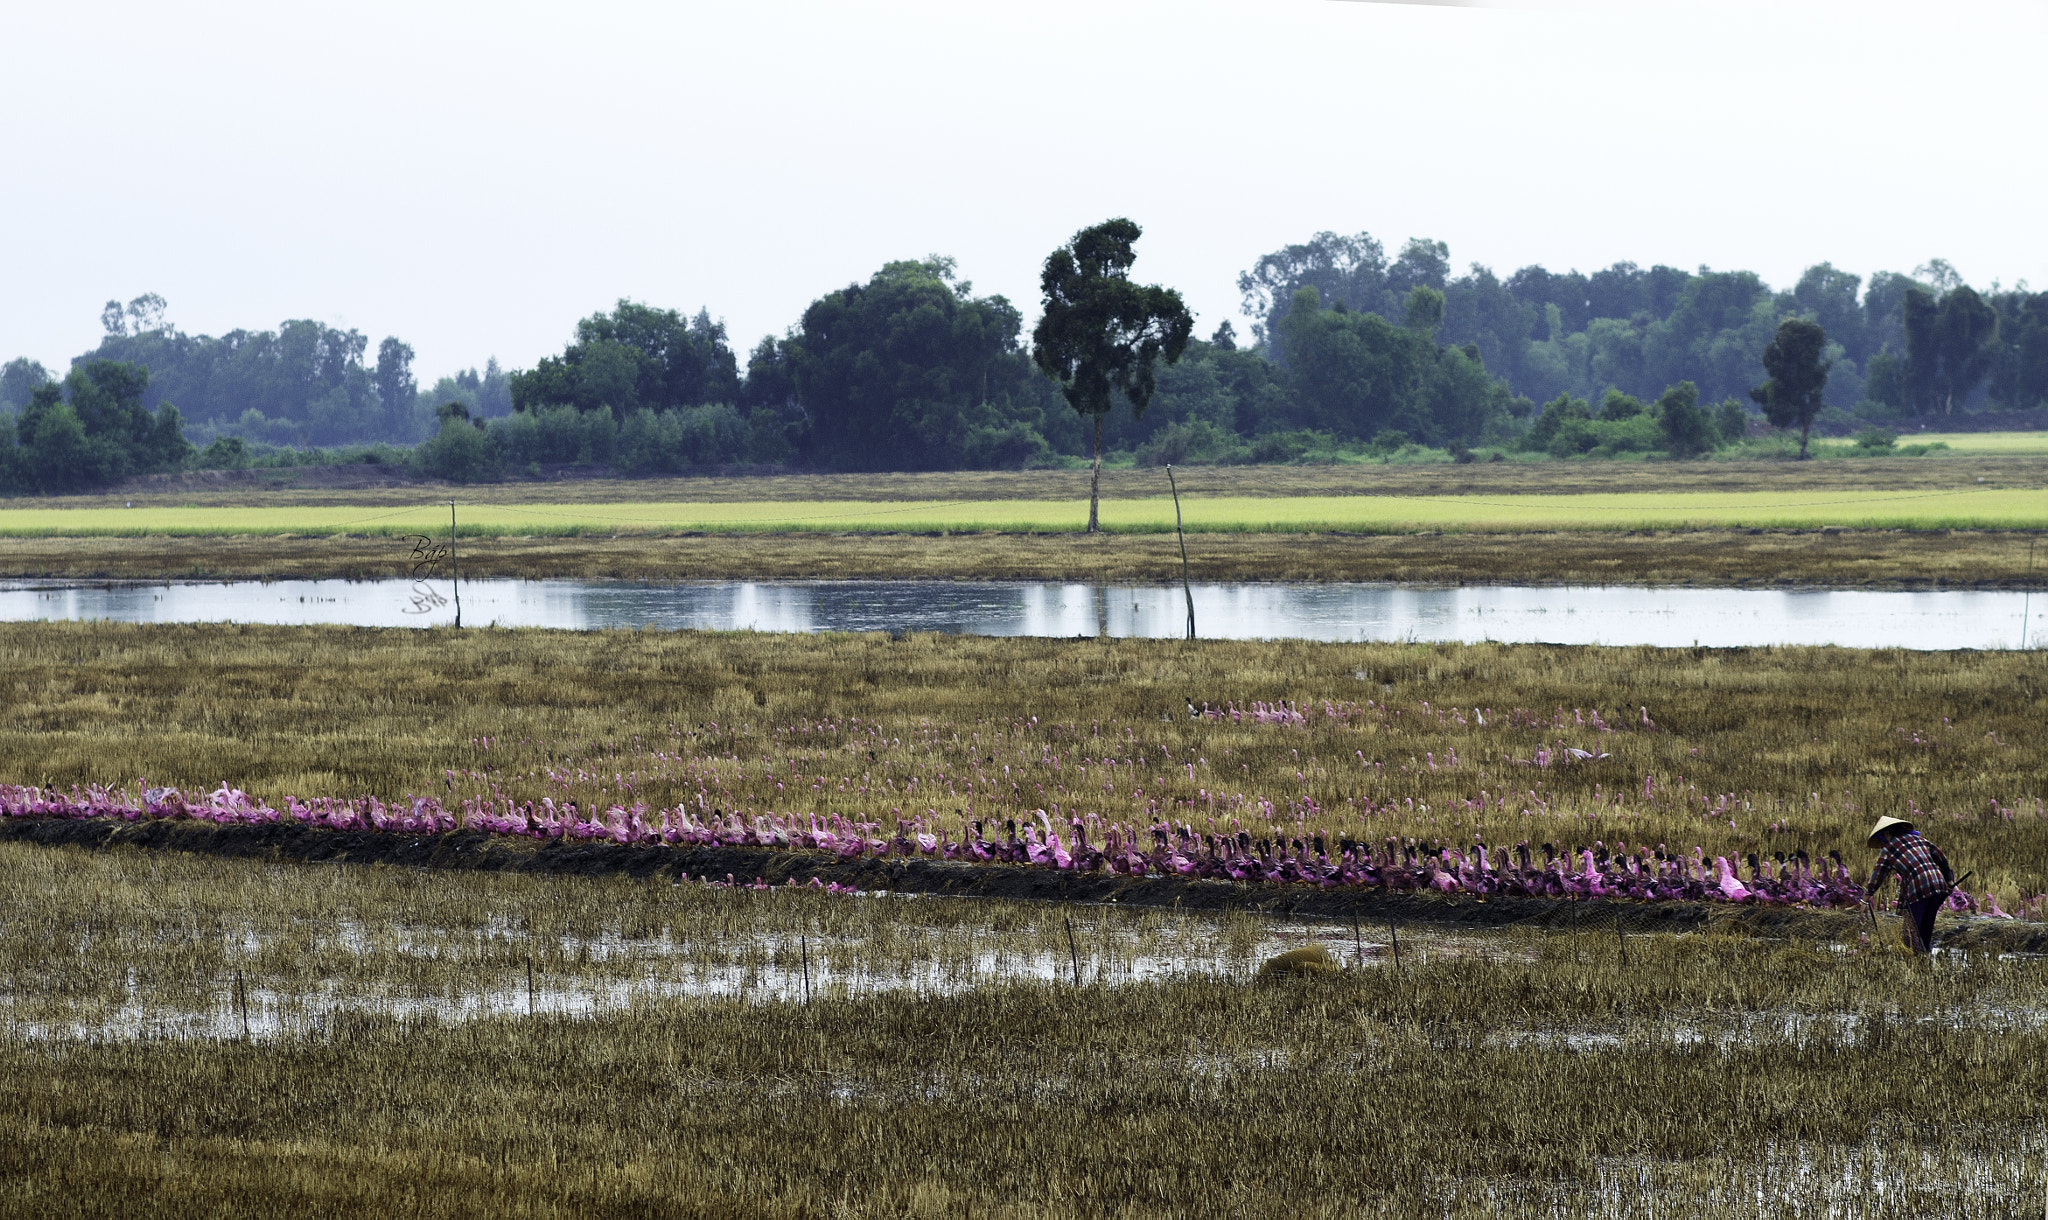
[[1919, 920]]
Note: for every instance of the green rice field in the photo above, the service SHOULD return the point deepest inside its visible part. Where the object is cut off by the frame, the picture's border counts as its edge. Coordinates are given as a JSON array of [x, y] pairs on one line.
[[1942, 508], [2000, 444]]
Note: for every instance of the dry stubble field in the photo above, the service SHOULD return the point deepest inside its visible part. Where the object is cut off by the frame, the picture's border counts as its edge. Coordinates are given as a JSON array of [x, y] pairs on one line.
[[393, 1066]]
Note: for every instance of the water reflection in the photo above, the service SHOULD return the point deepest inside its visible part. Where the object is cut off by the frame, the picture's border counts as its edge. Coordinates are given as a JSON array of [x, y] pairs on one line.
[[1713, 617]]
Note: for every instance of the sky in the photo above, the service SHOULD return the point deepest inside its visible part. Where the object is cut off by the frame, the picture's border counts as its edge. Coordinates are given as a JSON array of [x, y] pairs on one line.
[[474, 178]]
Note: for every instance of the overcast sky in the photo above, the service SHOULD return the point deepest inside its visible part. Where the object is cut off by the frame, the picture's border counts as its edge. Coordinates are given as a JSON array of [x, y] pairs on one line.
[[475, 177]]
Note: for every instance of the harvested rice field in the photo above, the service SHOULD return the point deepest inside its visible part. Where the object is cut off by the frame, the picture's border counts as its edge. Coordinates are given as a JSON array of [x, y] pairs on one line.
[[187, 1033], [1852, 559], [190, 1036]]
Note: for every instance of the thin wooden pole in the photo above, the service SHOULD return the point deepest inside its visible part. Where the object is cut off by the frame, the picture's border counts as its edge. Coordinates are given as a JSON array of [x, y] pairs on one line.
[[454, 569], [1394, 931], [1073, 949], [804, 947], [242, 1002], [1357, 940], [2027, 602], [1620, 939], [1185, 586]]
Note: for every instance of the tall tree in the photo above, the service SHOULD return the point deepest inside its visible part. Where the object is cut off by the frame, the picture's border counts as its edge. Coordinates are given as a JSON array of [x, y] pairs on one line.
[[1950, 346], [147, 313], [2021, 379], [1798, 376], [1348, 269], [20, 378], [1830, 297], [395, 385], [1100, 334]]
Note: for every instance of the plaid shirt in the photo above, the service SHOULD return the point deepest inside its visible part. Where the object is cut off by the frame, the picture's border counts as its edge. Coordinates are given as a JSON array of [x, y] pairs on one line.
[[1922, 870]]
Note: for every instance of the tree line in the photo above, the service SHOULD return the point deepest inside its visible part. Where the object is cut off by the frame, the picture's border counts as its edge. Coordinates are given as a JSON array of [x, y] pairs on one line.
[[1900, 346], [912, 370], [305, 383]]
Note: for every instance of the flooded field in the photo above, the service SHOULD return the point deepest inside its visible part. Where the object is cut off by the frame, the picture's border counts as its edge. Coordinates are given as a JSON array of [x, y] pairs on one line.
[[301, 976], [647, 1041]]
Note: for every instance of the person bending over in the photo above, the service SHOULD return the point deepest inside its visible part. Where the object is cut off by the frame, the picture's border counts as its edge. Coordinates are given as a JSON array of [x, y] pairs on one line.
[[1925, 877]]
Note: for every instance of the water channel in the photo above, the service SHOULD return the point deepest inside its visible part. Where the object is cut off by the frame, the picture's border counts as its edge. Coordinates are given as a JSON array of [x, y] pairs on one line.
[[1507, 613]]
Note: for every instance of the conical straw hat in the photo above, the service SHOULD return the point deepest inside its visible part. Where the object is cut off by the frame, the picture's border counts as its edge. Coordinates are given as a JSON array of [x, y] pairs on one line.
[[1884, 824]]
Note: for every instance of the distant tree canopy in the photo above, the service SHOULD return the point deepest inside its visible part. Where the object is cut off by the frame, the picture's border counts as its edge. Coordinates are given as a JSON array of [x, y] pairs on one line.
[[305, 375], [20, 378], [1952, 344], [91, 430], [911, 371], [1356, 375], [1900, 344], [305, 383], [633, 357]]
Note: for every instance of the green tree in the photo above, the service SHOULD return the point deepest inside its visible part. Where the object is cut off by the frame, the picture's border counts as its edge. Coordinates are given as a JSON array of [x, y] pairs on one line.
[[1356, 375], [2021, 380], [635, 356], [20, 378], [1617, 405], [302, 383], [396, 388], [1688, 430], [1424, 311], [1829, 297], [1100, 334], [94, 429], [1798, 377], [909, 371], [1348, 269], [1731, 421], [1886, 386], [56, 455], [223, 453], [1353, 374], [462, 451], [1950, 346], [108, 398]]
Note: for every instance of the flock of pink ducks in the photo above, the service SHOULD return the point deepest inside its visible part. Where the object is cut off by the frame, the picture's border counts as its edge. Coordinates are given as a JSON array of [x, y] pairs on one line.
[[1162, 849]]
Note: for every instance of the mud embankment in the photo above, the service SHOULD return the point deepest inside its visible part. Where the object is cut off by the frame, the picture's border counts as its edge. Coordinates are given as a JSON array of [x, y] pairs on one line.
[[480, 852]]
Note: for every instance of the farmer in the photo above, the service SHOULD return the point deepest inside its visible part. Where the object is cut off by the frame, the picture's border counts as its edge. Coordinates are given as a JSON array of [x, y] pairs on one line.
[[1925, 877]]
